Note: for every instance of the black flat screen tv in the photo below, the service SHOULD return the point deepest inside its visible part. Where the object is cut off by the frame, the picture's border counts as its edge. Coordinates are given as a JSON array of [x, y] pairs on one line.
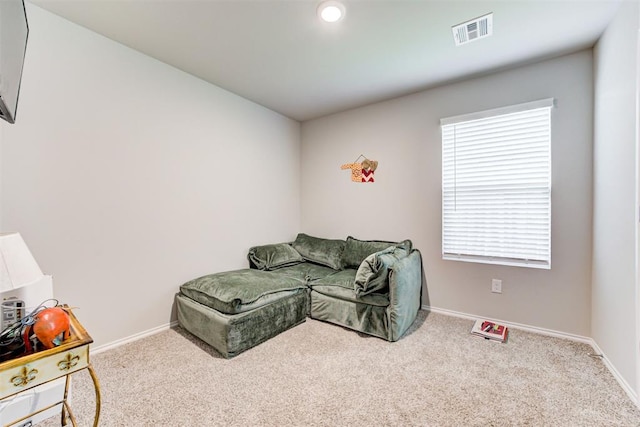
[[14, 31]]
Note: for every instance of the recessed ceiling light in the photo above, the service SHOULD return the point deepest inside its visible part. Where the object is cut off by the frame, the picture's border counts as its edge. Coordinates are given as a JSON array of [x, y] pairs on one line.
[[331, 11]]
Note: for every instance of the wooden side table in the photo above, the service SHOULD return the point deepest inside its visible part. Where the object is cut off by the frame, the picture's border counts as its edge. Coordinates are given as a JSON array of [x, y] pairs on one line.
[[26, 372]]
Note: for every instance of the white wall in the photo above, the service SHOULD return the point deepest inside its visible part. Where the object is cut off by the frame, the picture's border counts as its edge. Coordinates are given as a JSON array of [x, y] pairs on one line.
[[614, 255], [405, 201], [127, 177]]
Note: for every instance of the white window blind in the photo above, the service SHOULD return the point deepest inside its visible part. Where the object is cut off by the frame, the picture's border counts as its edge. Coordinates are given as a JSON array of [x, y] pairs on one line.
[[496, 186]]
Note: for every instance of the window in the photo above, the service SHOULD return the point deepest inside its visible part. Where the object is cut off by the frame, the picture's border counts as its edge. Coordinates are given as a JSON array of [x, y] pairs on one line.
[[496, 186]]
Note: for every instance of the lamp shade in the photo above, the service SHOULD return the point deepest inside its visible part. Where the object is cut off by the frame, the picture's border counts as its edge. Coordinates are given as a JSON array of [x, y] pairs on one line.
[[17, 266]]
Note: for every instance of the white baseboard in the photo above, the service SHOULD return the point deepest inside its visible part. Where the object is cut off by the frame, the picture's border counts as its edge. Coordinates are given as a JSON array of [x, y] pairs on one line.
[[528, 328], [132, 338], [552, 333], [624, 384]]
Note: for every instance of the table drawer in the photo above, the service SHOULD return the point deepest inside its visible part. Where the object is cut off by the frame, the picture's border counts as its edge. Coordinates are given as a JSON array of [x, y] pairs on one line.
[[42, 370]]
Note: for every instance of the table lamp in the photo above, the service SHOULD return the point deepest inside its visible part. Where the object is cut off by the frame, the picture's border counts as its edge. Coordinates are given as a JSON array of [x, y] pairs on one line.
[[20, 275], [18, 268], [22, 279]]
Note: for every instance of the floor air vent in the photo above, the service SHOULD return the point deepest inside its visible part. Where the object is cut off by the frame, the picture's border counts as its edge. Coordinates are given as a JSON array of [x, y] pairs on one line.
[[473, 30]]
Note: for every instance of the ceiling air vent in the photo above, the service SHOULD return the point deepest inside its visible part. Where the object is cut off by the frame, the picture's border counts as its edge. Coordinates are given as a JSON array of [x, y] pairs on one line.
[[473, 30]]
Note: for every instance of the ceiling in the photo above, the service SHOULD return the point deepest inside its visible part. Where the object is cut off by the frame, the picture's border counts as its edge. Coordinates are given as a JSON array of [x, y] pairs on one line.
[[278, 54]]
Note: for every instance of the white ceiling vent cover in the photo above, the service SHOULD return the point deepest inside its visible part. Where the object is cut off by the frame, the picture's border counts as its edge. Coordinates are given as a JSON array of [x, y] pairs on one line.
[[473, 30]]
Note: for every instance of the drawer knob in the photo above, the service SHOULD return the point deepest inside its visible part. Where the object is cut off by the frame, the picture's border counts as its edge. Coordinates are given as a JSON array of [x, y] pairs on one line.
[[69, 362], [25, 377]]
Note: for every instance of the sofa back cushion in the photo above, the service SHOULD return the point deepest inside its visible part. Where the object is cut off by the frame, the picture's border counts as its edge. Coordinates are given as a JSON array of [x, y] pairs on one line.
[[271, 257], [373, 274], [356, 251], [326, 252]]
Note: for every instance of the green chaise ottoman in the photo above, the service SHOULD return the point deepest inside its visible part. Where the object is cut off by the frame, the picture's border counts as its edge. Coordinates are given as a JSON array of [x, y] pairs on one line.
[[236, 310]]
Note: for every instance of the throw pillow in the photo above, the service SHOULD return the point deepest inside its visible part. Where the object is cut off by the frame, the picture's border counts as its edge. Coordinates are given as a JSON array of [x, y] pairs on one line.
[[372, 275], [326, 252], [271, 257]]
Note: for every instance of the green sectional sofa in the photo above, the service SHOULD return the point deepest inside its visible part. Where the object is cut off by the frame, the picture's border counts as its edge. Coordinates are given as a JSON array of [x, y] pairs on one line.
[[372, 287]]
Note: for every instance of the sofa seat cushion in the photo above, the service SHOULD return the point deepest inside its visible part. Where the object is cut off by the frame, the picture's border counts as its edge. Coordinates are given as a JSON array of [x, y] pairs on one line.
[[343, 279], [238, 291], [340, 285], [307, 271], [378, 300]]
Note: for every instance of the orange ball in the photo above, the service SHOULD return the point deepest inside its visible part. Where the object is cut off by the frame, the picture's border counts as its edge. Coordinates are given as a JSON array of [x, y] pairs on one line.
[[51, 326]]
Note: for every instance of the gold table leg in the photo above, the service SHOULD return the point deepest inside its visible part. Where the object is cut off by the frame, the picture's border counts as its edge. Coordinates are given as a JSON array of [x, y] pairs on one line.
[[66, 410], [96, 386], [63, 412], [74, 423]]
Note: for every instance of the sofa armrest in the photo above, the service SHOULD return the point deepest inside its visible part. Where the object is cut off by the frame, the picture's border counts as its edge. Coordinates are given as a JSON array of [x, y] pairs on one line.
[[405, 292]]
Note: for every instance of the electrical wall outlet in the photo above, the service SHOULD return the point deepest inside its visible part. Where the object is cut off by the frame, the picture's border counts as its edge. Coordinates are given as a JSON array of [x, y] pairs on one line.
[[496, 286]]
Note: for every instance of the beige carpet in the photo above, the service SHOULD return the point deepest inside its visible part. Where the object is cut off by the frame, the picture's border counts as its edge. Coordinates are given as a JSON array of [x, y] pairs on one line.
[[318, 374]]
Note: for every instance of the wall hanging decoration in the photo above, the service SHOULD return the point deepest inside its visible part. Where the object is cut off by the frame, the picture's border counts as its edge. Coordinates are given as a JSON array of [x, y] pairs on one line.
[[362, 172]]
